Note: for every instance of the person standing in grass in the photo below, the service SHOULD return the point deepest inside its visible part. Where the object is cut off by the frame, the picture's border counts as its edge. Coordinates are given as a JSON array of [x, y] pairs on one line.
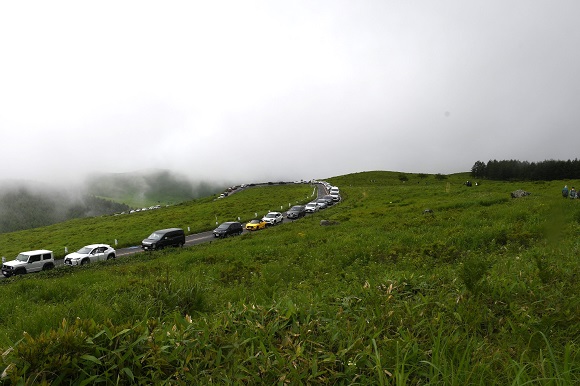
[[573, 193], [565, 191]]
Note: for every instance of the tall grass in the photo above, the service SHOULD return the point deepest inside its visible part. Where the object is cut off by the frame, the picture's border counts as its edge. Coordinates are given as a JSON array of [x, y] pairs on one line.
[[476, 292]]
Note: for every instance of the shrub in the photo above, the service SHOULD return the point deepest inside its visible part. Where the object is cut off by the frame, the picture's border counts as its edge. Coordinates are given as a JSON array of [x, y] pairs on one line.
[[472, 272]]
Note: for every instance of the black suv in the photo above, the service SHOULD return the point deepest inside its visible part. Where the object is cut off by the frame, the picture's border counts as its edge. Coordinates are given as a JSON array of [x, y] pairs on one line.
[[172, 237], [296, 212], [230, 228]]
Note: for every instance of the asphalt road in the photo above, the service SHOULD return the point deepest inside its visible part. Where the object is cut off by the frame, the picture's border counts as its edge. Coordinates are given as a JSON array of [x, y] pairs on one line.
[[191, 240]]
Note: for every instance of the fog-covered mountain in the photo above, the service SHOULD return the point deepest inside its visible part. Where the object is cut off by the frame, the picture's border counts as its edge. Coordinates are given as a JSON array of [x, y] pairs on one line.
[[145, 188], [26, 204]]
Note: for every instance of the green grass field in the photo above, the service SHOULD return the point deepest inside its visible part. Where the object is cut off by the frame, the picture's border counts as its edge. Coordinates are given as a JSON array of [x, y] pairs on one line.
[[483, 290]]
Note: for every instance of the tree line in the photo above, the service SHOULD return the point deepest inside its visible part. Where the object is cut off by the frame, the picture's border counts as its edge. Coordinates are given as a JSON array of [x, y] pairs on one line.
[[511, 170], [21, 208]]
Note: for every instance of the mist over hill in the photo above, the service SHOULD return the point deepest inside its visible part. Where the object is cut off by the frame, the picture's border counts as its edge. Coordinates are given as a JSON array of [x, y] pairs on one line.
[[26, 204], [145, 188], [23, 206]]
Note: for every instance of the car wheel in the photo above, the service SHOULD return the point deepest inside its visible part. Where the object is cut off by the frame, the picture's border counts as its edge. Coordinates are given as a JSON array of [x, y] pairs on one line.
[[48, 266], [111, 256], [85, 261], [20, 272]]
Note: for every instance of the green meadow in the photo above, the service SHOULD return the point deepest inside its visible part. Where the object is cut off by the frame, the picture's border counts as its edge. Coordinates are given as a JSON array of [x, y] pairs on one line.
[[481, 290]]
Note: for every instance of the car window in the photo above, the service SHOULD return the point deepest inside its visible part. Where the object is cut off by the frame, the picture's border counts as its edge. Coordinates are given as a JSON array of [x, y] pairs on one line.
[[34, 258], [22, 257]]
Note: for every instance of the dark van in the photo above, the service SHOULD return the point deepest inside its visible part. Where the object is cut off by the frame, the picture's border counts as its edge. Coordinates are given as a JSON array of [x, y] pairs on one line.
[[172, 237], [230, 228]]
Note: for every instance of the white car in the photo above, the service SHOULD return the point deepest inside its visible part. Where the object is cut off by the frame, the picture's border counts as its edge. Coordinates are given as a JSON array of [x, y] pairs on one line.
[[312, 207], [26, 262], [90, 254], [273, 218]]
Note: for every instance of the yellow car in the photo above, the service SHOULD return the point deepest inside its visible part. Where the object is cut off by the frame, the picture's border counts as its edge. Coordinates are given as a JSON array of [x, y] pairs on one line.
[[254, 225]]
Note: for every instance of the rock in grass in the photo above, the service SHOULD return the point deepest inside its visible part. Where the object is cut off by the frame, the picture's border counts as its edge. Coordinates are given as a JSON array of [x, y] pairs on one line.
[[519, 193]]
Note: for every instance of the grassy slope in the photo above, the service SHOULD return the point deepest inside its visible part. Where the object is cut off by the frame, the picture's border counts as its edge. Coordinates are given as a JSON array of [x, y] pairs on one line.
[[129, 229], [482, 291]]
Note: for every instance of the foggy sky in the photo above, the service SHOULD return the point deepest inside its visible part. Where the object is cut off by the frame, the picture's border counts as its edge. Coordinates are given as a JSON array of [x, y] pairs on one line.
[[256, 90]]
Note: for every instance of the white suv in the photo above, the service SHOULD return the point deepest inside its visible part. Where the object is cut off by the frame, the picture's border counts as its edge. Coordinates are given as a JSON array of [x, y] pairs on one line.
[[273, 218], [90, 254], [32, 261], [335, 193]]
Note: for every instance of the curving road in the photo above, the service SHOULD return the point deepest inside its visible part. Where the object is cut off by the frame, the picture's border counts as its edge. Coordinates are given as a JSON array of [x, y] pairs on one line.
[[193, 239], [203, 237]]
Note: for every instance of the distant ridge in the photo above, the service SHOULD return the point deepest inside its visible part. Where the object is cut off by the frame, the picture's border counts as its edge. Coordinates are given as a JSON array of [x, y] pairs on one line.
[[148, 187], [28, 204]]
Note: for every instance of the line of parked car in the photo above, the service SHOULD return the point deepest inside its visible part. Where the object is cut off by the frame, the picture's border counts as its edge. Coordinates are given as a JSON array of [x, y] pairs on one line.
[[42, 260], [233, 228]]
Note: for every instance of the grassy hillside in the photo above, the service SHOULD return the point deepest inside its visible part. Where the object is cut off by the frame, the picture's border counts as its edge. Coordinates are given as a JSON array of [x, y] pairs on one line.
[[483, 290], [129, 229]]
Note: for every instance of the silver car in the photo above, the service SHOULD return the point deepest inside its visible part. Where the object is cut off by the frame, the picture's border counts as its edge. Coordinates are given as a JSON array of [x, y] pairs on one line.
[[312, 207], [90, 254]]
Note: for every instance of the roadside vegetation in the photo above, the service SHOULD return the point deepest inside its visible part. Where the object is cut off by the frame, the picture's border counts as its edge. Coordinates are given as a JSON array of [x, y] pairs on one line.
[[419, 280]]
